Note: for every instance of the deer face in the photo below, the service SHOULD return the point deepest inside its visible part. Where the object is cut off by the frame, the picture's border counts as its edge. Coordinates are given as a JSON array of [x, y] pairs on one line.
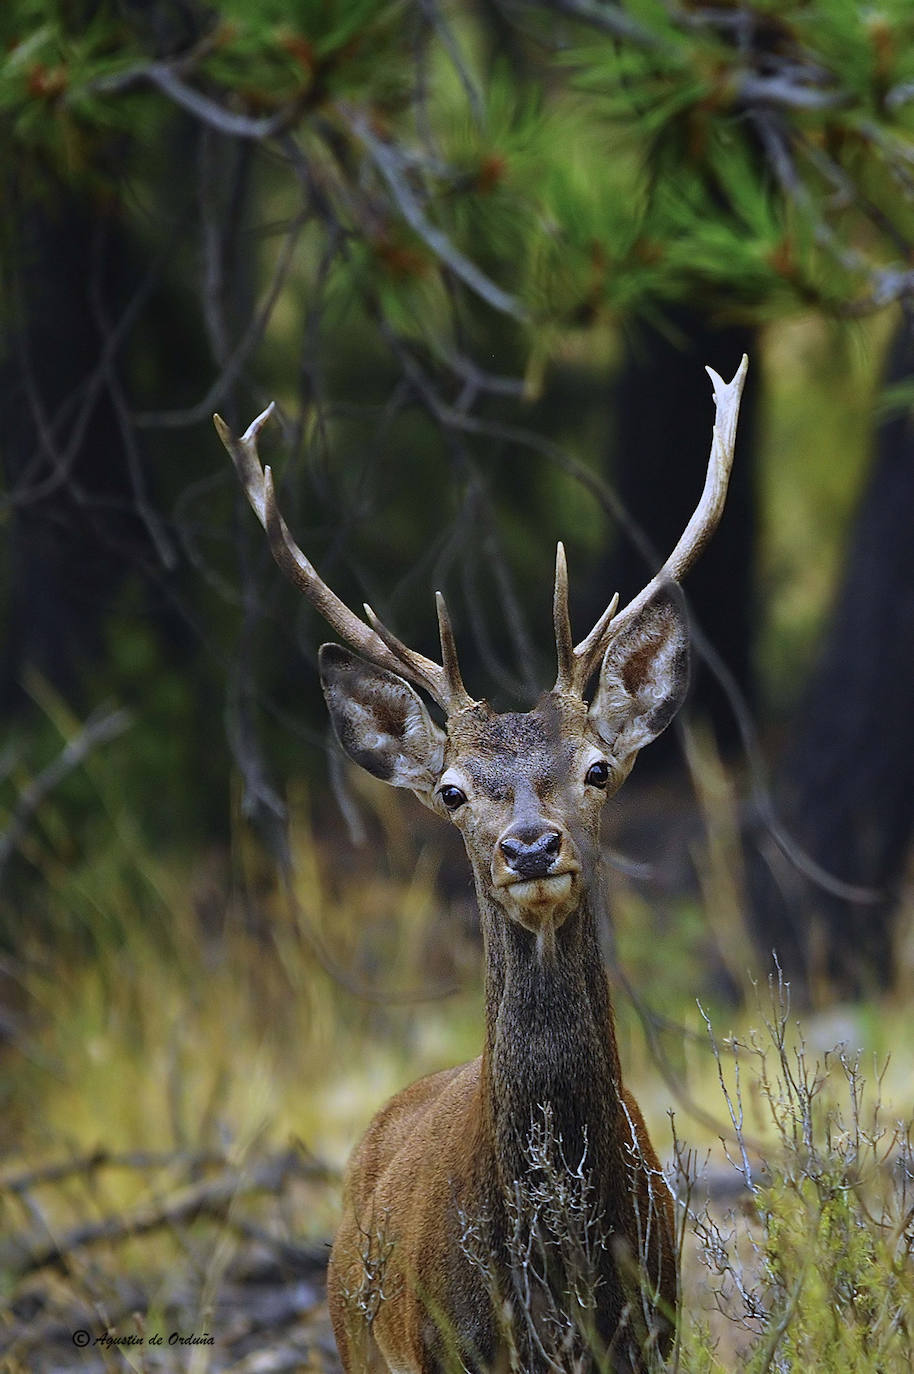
[[526, 790]]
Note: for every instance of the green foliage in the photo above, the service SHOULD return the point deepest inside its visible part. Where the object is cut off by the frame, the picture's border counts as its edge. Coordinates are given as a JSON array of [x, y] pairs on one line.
[[72, 76], [741, 156], [271, 53]]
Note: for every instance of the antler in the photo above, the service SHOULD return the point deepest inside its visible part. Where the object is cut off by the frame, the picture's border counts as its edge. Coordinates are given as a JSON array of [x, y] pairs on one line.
[[374, 641], [577, 665]]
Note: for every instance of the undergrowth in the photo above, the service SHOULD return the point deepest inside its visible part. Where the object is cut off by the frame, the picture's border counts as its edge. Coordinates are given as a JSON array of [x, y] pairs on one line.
[[812, 1267], [273, 1018]]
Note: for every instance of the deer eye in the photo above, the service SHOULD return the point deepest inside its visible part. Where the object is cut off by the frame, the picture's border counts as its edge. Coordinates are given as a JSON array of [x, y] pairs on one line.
[[598, 774], [452, 797]]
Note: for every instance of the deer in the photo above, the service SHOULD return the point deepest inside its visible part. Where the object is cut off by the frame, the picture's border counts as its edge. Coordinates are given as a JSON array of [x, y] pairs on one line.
[[511, 1213]]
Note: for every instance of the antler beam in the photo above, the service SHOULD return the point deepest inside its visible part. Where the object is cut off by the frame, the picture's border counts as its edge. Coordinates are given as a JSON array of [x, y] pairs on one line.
[[374, 641], [576, 666]]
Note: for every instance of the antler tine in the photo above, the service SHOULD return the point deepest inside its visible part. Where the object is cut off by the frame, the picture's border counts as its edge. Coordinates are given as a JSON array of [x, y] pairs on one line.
[[375, 643], [591, 649], [243, 453], [564, 644], [698, 531], [449, 692], [459, 694]]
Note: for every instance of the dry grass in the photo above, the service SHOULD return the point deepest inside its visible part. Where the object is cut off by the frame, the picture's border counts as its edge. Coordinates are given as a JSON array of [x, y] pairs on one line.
[[203, 1080]]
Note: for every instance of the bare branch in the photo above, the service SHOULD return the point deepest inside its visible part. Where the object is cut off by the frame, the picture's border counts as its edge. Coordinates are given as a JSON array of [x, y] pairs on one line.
[[210, 1198], [164, 76], [232, 366], [750, 89], [103, 726], [77, 410], [139, 1160], [388, 161], [611, 19]]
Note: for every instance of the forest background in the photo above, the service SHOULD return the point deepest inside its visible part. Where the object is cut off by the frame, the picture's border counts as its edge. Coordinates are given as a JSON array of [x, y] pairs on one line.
[[479, 254]]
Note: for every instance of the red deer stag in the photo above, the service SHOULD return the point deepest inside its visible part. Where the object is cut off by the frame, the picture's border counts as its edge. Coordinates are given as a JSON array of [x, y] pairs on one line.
[[511, 1214]]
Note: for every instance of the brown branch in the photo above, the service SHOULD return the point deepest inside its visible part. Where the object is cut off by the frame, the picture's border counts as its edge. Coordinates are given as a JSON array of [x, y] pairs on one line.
[[252, 336], [101, 1158], [212, 1198], [102, 727]]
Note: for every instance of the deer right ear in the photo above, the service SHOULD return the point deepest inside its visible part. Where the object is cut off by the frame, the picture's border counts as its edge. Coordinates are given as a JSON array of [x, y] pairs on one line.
[[644, 677], [381, 722]]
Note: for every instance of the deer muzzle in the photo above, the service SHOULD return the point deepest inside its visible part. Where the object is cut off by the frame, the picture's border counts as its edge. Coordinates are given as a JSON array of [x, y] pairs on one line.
[[533, 869]]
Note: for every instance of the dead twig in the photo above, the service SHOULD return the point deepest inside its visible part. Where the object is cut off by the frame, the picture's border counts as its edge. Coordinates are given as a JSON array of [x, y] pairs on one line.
[[100, 1158], [212, 1198], [103, 725], [389, 159]]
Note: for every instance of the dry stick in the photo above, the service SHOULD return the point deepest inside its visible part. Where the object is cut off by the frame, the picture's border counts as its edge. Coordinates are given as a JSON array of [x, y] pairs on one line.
[[288, 1255], [222, 221], [474, 377], [212, 1198], [252, 336], [388, 160], [164, 76], [646, 1016], [100, 728], [83, 399], [101, 1158]]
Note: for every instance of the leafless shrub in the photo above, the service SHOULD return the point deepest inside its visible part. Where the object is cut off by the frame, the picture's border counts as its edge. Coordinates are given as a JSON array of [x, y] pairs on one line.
[[813, 1266], [557, 1239]]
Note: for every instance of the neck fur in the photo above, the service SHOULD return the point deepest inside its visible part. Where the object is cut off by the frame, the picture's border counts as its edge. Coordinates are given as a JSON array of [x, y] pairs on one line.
[[550, 1045]]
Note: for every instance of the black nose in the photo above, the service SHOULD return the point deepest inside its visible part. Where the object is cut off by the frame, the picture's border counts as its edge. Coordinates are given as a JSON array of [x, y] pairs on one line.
[[531, 856]]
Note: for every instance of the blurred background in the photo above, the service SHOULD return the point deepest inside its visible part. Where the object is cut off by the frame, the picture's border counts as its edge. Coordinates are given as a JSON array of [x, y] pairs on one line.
[[479, 255]]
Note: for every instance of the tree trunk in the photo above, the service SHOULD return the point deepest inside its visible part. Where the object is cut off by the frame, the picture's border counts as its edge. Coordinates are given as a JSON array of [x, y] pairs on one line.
[[665, 413], [846, 790]]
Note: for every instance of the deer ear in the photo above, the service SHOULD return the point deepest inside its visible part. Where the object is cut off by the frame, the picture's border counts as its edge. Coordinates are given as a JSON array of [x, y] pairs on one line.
[[381, 722], [644, 677]]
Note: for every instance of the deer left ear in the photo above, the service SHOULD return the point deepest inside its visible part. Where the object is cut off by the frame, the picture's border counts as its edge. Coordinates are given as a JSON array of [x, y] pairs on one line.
[[644, 677]]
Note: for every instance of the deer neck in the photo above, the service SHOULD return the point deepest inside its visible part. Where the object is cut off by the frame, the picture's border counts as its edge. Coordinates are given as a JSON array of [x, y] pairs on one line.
[[550, 1046]]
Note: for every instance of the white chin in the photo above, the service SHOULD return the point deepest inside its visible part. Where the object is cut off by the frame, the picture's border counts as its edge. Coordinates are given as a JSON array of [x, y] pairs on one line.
[[540, 892]]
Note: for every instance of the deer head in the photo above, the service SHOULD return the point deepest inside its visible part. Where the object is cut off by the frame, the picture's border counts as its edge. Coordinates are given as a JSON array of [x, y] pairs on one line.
[[525, 789]]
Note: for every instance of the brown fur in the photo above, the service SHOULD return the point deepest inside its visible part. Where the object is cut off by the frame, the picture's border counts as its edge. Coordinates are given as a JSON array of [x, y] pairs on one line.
[[448, 1152], [412, 1172]]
